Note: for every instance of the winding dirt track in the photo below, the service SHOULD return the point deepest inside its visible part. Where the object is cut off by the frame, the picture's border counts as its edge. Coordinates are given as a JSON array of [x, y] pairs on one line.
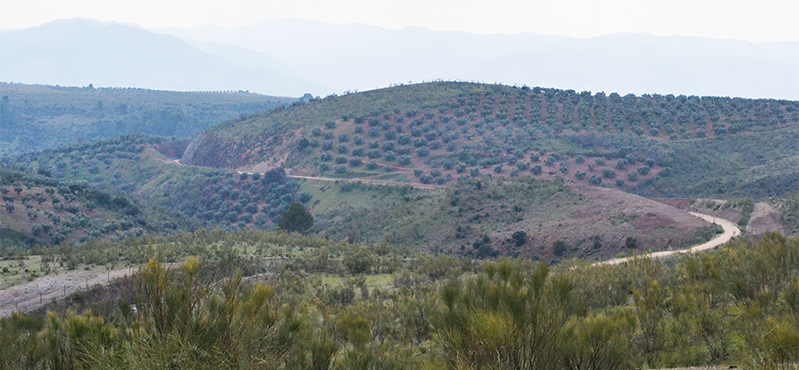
[[34, 295], [730, 231]]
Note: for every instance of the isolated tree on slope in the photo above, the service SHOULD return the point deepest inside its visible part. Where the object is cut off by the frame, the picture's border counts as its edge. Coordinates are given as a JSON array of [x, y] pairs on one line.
[[296, 218]]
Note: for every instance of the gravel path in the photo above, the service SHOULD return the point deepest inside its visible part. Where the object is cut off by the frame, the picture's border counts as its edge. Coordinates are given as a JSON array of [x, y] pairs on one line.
[[730, 231], [34, 295]]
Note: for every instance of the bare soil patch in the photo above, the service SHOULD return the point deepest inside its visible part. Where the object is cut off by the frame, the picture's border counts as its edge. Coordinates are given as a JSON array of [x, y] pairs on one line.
[[599, 224], [766, 218], [40, 292]]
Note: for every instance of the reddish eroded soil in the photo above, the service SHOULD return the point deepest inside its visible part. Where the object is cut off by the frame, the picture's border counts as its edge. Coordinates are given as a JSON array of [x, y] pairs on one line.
[[599, 229], [766, 218], [681, 203], [716, 207]]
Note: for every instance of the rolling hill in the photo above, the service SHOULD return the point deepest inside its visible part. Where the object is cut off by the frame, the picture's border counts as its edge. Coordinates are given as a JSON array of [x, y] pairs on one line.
[[476, 217], [142, 167], [475, 169], [483, 218], [656, 145], [480, 217], [38, 209]]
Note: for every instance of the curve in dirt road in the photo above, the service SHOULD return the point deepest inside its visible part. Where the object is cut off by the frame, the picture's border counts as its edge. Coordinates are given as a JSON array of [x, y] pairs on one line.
[[40, 292], [730, 231]]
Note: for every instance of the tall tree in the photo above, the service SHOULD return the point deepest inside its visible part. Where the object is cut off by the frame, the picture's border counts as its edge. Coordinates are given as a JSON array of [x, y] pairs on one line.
[[296, 219]]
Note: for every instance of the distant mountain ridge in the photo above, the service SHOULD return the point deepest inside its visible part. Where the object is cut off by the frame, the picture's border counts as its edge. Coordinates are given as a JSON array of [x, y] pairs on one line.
[[78, 52], [291, 57], [361, 57]]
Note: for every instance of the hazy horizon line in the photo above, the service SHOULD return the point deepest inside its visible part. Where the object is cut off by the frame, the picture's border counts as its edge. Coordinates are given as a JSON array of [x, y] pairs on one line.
[[156, 29]]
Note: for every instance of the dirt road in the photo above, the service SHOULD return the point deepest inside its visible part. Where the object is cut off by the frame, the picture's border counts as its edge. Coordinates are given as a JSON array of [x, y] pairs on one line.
[[730, 231], [34, 295], [364, 180], [368, 181]]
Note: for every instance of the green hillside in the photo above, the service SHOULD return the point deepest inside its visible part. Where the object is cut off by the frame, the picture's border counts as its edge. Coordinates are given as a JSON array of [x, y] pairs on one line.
[[476, 217], [137, 165], [34, 117], [569, 194], [455, 227], [483, 218], [38, 209], [659, 145]]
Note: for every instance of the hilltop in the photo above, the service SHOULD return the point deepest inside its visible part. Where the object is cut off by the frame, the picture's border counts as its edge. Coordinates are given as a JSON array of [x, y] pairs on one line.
[[654, 145]]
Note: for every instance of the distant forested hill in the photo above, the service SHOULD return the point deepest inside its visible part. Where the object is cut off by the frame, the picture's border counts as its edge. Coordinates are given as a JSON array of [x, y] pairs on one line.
[[34, 117]]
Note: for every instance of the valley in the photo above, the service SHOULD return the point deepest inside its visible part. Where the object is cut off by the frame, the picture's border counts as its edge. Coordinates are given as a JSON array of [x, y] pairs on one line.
[[390, 185]]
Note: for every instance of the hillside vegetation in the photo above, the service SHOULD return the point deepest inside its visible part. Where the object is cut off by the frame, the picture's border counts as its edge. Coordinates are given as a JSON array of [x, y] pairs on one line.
[[38, 209], [34, 117], [251, 299], [659, 145], [480, 217], [484, 218], [137, 165]]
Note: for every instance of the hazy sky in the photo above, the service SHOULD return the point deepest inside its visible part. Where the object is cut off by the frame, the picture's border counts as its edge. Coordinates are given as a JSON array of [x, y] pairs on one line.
[[761, 20]]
